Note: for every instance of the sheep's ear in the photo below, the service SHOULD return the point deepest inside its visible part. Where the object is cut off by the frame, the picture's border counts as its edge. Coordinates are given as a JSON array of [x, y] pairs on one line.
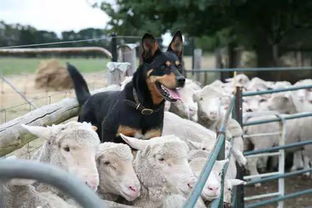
[[135, 143], [236, 182], [39, 131], [21, 182], [220, 164], [94, 128]]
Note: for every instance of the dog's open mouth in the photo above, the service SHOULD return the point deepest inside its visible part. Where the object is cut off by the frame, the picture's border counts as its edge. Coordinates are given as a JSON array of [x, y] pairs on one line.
[[172, 95]]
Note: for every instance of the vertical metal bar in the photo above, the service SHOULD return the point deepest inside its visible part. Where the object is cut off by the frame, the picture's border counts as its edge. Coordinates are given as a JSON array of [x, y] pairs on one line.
[[238, 116], [114, 47], [281, 163], [221, 156]]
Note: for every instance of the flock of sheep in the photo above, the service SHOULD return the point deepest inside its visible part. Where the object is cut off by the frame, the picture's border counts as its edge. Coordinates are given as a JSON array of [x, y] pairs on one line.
[[163, 170]]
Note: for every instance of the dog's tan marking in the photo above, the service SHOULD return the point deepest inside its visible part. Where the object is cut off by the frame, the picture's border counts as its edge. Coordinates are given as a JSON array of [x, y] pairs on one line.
[[157, 98], [168, 80], [152, 133], [128, 131], [168, 63], [149, 72], [177, 63]]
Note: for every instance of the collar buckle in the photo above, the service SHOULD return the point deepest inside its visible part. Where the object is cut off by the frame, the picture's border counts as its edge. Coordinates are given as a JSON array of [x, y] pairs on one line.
[[147, 111]]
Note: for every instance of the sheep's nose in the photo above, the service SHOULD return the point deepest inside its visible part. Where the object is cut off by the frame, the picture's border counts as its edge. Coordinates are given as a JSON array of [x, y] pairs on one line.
[[191, 183], [92, 183], [249, 110], [213, 188], [132, 188]]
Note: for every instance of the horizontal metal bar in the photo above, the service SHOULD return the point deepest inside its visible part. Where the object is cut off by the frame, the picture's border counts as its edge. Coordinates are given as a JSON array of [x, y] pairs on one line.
[[264, 155], [245, 94], [261, 175], [286, 175], [249, 69], [45, 173], [286, 117], [286, 146], [262, 134], [260, 196], [281, 198]]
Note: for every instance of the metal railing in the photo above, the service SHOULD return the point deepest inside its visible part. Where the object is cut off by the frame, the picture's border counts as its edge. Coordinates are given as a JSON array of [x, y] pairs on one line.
[[280, 196], [51, 175], [217, 153]]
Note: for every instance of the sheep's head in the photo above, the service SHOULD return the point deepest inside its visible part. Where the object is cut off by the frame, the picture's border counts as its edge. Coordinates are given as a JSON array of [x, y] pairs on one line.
[[186, 107], [117, 176], [282, 102], [162, 161], [210, 103], [72, 147], [212, 187]]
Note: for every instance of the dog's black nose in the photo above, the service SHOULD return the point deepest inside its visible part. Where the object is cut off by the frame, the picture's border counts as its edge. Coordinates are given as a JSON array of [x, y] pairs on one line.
[[180, 81]]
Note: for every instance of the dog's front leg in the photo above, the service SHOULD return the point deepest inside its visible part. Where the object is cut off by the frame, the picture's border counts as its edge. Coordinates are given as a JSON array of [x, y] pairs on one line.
[[128, 131], [152, 133]]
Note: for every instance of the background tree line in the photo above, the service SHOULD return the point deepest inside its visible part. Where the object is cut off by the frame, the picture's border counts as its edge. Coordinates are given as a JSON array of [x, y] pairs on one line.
[[16, 34], [269, 28]]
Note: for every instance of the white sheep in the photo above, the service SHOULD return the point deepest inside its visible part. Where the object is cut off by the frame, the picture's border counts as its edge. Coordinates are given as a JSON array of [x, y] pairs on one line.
[[117, 176], [186, 107], [162, 168], [188, 131], [20, 193], [213, 184], [211, 111], [72, 147]]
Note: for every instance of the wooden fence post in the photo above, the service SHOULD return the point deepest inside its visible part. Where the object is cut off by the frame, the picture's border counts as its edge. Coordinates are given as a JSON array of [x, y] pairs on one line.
[[198, 64], [128, 54], [117, 72]]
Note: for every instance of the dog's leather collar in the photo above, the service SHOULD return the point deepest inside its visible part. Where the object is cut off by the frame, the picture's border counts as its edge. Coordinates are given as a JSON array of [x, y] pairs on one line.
[[138, 106]]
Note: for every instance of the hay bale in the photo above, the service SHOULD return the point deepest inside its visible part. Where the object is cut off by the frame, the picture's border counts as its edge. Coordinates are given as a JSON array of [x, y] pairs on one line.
[[51, 74]]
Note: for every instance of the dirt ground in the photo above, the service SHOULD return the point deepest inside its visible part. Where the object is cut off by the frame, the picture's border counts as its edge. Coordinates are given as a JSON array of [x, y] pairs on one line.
[[293, 184]]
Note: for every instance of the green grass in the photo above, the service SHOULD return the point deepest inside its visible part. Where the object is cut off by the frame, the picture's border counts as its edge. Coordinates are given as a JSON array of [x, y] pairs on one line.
[[10, 65]]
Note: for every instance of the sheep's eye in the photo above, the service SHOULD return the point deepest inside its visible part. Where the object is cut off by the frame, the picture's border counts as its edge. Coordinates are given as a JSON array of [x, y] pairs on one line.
[[161, 159], [262, 100], [66, 149], [220, 173], [106, 163], [203, 148], [201, 98], [229, 189]]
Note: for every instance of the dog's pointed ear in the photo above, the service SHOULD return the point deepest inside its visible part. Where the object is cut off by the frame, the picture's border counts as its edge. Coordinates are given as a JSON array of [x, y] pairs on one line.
[[176, 44], [150, 47]]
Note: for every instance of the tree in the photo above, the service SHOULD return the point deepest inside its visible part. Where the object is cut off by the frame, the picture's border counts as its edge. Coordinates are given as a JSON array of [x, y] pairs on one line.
[[260, 25]]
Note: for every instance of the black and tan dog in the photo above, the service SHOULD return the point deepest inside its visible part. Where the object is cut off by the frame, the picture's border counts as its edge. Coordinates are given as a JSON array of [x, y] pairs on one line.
[[138, 110]]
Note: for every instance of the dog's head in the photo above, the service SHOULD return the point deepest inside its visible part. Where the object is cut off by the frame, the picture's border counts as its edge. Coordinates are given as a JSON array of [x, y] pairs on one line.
[[164, 69]]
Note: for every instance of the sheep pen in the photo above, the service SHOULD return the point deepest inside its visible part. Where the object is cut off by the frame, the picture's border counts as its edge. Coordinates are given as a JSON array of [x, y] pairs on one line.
[[12, 138]]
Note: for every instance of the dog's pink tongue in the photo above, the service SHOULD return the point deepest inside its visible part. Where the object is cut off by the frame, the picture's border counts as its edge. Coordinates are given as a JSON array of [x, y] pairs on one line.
[[174, 94]]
